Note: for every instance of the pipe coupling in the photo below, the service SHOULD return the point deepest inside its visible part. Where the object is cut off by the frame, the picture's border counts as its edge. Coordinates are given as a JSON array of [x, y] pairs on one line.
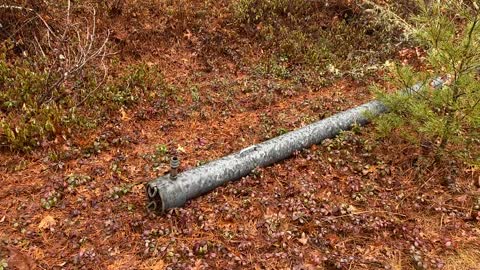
[[174, 164]]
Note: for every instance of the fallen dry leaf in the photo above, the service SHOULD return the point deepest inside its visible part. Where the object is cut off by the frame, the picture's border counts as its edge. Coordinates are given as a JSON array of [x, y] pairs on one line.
[[181, 149], [198, 265], [18, 260], [303, 240], [125, 116], [47, 223], [160, 265]]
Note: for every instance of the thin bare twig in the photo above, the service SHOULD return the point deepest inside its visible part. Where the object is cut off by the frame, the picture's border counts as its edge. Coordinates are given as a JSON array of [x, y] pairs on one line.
[[68, 21], [16, 7], [75, 57], [39, 46]]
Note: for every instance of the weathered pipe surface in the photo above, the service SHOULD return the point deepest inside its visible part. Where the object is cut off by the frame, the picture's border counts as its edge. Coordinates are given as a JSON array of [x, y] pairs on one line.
[[165, 193]]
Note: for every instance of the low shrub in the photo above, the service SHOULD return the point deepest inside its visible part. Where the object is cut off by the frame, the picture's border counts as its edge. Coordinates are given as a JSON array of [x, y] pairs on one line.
[[354, 37], [34, 108]]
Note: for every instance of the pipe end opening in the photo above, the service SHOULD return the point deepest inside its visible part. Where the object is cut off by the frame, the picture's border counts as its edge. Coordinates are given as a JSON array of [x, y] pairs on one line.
[[155, 202]]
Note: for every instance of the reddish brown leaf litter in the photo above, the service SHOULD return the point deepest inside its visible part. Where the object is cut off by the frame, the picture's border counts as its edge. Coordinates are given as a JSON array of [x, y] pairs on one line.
[[351, 203], [355, 202]]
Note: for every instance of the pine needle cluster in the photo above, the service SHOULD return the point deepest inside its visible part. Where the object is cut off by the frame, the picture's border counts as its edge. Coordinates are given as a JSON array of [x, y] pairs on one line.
[[447, 119]]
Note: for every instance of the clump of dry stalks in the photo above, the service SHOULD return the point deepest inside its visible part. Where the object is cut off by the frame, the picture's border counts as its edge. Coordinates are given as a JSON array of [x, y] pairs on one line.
[[52, 59], [49, 31]]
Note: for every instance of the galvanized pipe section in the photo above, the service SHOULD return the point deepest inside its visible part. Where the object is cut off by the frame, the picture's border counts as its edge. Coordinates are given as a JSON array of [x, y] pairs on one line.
[[165, 193]]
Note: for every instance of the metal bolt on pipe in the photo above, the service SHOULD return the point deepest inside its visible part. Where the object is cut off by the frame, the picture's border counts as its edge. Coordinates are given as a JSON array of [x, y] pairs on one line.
[[166, 192]]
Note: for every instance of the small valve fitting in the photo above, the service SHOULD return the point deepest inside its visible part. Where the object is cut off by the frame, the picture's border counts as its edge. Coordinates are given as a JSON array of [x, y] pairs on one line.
[[174, 164]]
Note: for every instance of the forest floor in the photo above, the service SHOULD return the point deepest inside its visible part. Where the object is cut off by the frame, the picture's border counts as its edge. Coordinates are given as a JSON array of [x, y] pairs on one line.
[[353, 202]]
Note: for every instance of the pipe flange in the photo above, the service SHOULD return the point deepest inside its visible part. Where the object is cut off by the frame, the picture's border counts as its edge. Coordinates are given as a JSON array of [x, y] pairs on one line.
[[152, 191], [152, 207]]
